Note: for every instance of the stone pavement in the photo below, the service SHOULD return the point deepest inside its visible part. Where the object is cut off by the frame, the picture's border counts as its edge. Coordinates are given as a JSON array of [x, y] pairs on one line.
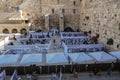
[[81, 76]]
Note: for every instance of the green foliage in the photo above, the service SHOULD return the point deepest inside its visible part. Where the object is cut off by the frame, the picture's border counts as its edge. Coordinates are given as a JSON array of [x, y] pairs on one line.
[[110, 41]]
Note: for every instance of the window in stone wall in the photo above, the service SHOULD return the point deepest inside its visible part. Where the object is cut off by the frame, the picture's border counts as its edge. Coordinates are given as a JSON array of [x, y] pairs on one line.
[[52, 10], [118, 46], [80, 0], [74, 3], [26, 21], [74, 11]]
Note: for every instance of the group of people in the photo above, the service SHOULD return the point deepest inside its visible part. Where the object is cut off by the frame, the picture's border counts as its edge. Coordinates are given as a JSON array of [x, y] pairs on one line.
[[39, 38], [17, 51], [54, 76], [48, 34], [108, 72], [76, 50], [77, 41], [69, 38], [32, 76], [35, 41], [57, 76], [28, 77], [72, 34], [54, 32], [39, 35]]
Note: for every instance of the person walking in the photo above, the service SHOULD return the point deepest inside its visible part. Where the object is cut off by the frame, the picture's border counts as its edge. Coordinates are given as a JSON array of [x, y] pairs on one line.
[[109, 72], [54, 77]]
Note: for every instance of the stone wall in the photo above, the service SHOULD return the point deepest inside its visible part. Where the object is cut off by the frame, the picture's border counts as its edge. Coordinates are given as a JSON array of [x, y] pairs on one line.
[[8, 5], [68, 8], [102, 17], [34, 8]]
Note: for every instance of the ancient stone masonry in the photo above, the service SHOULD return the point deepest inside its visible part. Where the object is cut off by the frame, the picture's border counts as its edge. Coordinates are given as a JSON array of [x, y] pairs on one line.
[[69, 9], [102, 17]]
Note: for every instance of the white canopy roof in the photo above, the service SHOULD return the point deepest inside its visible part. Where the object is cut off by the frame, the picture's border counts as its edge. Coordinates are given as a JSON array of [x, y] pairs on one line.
[[9, 59], [81, 58], [56, 59], [116, 54], [31, 59], [102, 57], [88, 46]]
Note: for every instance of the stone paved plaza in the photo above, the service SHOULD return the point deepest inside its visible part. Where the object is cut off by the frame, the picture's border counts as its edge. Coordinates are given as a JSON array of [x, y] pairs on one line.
[[81, 76]]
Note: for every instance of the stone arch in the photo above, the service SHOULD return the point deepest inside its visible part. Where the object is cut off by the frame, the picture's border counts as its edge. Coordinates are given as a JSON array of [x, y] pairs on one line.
[[6, 31], [14, 31], [68, 29], [23, 31]]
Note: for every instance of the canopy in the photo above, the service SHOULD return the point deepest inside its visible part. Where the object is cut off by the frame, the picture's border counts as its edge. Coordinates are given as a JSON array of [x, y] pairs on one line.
[[88, 46], [9, 60], [31, 59], [116, 54], [102, 57], [81, 58], [56, 59]]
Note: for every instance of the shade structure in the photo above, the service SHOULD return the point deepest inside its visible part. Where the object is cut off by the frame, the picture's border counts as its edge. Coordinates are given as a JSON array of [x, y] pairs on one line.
[[9, 60], [81, 58], [116, 54], [102, 57], [31, 59], [56, 59]]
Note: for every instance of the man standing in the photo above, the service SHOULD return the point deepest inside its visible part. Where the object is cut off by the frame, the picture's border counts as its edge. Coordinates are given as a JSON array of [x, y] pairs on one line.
[[109, 72]]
